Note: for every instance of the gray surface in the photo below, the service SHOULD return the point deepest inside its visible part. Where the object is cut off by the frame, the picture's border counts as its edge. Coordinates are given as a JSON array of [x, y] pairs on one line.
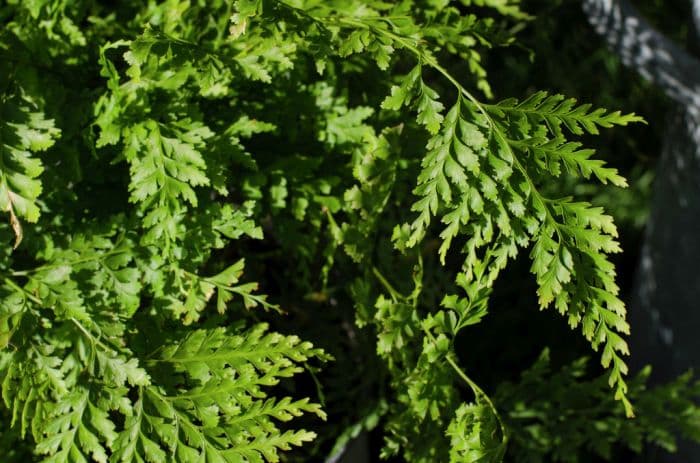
[[664, 308]]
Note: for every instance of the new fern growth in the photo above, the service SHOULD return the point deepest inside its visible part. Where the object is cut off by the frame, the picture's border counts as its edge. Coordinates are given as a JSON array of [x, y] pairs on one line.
[[157, 160]]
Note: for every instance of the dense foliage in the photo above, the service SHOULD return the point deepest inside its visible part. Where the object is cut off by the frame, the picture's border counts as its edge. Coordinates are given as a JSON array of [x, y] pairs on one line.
[[160, 158]]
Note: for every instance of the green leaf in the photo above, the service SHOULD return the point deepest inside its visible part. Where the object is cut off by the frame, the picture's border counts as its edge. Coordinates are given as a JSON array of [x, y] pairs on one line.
[[429, 109], [166, 167], [474, 435], [24, 131], [76, 431], [224, 416], [403, 94], [553, 111]]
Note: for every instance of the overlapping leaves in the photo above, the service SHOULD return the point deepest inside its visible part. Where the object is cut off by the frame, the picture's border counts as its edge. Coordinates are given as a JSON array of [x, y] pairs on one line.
[[24, 131], [104, 359]]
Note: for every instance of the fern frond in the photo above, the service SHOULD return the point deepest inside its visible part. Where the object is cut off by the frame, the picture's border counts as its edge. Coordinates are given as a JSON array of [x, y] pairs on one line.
[[554, 111], [24, 131], [473, 434], [224, 416], [77, 430], [551, 155]]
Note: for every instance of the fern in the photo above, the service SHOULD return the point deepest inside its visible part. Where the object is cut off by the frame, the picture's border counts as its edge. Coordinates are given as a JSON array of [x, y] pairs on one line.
[[174, 167], [25, 131], [599, 432], [227, 373]]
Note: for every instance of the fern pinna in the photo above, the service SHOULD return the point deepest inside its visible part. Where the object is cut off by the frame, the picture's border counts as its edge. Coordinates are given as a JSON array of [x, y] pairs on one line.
[[158, 158]]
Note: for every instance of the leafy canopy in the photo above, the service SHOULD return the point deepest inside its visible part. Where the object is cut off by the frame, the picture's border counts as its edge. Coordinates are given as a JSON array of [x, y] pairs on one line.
[[156, 159]]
